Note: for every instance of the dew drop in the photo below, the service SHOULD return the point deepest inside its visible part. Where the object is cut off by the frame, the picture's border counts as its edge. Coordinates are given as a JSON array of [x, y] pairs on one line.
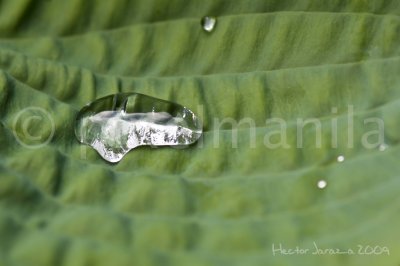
[[322, 184], [340, 158], [115, 124], [208, 23], [383, 147]]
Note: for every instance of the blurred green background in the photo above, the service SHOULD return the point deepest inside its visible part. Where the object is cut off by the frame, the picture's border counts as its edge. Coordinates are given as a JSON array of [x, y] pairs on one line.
[[61, 204]]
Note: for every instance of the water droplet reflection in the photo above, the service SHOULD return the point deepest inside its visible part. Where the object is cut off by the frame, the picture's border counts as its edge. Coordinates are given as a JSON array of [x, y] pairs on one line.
[[383, 147], [340, 159], [208, 23], [322, 184]]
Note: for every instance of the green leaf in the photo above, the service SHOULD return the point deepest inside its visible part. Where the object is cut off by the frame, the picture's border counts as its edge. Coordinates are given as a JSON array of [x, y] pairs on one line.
[[230, 199]]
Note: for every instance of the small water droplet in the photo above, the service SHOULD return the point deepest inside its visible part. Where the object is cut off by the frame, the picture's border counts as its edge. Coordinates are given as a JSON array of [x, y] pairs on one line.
[[383, 147], [208, 23], [340, 159], [115, 124], [322, 184]]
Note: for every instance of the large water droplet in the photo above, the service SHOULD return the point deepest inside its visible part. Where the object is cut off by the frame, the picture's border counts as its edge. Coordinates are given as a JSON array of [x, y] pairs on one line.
[[208, 23], [115, 124]]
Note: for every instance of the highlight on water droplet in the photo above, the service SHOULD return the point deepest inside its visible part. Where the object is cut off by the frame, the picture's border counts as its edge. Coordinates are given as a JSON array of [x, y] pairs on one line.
[[321, 184], [208, 23], [383, 147], [340, 159], [115, 124]]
